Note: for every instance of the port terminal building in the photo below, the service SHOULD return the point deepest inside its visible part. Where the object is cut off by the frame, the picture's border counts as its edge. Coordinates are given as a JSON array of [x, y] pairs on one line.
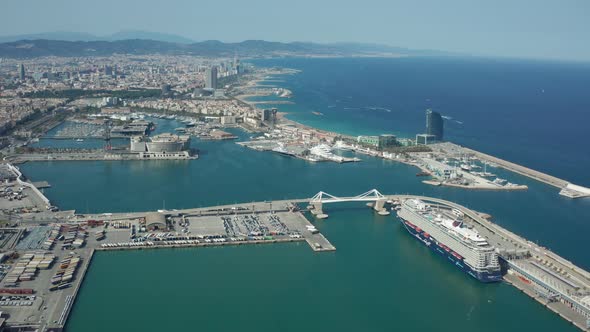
[[381, 141]]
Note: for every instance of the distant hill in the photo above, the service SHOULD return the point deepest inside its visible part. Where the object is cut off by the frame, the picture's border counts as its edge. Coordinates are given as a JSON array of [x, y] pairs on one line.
[[138, 34], [59, 35], [248, 48], [82, 36]]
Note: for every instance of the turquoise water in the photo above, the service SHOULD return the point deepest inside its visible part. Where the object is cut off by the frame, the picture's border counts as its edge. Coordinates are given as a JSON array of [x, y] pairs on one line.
[[533, 113], [378, 279], [228, 173]]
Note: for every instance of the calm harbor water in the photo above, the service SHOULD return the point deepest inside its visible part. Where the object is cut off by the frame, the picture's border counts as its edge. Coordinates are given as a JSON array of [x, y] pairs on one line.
[[378, 279]]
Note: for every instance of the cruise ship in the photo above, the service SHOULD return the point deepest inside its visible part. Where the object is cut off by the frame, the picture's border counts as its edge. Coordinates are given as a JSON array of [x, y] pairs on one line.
[[445, 231]]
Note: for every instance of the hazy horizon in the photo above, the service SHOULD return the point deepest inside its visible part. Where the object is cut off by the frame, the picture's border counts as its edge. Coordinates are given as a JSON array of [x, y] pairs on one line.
[[527, 29]]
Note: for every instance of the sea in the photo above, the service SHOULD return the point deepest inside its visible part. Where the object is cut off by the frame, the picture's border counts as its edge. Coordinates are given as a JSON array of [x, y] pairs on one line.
[[534, 113], [379, 279]]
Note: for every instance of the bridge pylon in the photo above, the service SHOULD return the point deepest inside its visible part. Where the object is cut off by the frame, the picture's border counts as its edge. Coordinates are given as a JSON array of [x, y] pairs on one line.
[[317, 208], [316, 202], [379, 204]]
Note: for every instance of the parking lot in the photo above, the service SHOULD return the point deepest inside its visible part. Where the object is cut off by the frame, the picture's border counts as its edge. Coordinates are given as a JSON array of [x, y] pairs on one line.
[[237, 225]]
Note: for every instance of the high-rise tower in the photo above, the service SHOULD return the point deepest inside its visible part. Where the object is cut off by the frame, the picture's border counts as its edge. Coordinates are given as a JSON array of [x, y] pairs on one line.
[[211, 82], [21, 72], [434, 124]]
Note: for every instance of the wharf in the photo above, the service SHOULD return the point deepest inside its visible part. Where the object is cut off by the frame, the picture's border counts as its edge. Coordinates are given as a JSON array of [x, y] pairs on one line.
[[567, 189], [531, 173], [33, 200], [237, 224], [318, 241], [210, 223], [47, 310], [475, 186], [452, 177], [273, 102], [557, 307], [195, 245], [92, 156], [72, 137], [555, 282], [42, 184], [71, 299]]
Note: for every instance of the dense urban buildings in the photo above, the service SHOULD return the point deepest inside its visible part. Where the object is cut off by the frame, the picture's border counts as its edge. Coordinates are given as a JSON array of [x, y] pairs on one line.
[[142, 108]]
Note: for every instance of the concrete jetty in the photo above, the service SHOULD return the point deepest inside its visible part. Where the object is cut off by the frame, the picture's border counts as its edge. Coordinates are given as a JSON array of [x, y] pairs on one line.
[[240, 224], [95, 156], [567, 189], [531, 173], [71, 299]]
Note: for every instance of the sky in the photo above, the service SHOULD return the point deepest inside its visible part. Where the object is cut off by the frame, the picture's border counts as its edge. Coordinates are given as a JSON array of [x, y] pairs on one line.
[[517, 28]]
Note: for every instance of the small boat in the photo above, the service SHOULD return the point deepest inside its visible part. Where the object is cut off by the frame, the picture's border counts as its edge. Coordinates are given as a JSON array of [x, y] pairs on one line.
[[500, 182], [465, 167], [79, 140]]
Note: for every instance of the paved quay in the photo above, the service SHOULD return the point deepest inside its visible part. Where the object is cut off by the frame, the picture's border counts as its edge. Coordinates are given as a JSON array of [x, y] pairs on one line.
[[557, 307], [49, 308], [89, 156], [254, 223], [551, 280], [567, 189], [555, 282], [531, 173]]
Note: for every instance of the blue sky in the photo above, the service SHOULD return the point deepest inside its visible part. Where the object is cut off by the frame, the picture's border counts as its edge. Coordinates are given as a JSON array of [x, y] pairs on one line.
[[517, 28]]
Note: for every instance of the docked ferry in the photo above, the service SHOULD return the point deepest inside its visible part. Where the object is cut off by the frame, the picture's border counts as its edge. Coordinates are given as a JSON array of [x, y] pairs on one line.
[[445, 231]]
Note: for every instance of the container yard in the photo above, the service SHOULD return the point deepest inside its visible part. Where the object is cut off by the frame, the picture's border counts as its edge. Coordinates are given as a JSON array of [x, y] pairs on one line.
[[38, 291]]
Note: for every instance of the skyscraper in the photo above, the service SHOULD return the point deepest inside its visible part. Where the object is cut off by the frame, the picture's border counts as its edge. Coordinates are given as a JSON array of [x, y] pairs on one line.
[[21, 72], [265, 114], [108, 70], [434, 124], [166, 89], [211, 82]]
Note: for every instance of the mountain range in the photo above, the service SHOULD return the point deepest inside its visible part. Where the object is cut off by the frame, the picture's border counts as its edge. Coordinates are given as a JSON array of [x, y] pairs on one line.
[[72, 44], [83, 36]]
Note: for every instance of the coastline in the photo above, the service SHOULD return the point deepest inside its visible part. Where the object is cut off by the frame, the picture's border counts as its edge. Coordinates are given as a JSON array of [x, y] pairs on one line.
[[561, 308], [283, 117], [564, 185]]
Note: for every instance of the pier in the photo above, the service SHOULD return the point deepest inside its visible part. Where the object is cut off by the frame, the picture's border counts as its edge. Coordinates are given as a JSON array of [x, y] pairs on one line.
[[74, 137], [99, 155], [549, 279], [567, 189]]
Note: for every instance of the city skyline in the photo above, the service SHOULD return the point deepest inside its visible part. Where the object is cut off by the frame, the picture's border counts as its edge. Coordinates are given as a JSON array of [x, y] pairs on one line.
[[459, 26], [317, 166], [127, 151]]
